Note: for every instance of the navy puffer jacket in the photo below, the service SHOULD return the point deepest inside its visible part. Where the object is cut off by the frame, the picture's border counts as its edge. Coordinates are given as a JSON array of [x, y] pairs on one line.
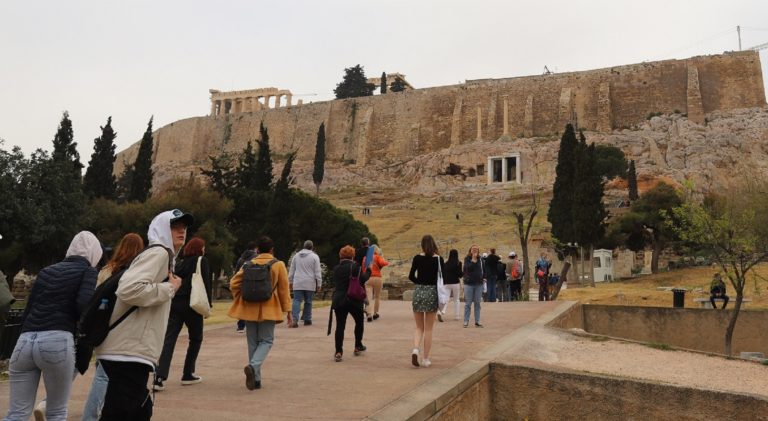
[[59, 295]]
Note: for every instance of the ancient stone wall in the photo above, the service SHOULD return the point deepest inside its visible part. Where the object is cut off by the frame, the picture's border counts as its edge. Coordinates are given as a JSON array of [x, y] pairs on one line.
[[395, 127]]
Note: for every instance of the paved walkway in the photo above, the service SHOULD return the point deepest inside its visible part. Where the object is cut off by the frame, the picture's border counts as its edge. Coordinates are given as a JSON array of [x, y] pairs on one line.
[[300, 378]]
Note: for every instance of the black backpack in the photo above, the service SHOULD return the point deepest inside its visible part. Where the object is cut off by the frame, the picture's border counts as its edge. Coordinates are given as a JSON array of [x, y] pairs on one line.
[[257, 282], [94, 326]]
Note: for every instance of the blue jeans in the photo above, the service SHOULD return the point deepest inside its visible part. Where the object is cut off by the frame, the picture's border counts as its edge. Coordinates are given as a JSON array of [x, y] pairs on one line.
[[260, 336], [472, 294], [95, 402], [298, 297], [50, 353]]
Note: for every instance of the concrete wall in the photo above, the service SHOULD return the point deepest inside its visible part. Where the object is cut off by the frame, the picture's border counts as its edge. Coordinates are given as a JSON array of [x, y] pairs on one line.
[[699, 329], [527, 393], [473, 404]]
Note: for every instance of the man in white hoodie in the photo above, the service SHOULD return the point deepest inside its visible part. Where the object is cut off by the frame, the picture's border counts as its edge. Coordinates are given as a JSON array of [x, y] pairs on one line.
[[132, 348], [305, 278]]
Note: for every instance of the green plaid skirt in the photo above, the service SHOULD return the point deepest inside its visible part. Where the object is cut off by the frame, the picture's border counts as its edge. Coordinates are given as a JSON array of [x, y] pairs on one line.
[[425, 298]]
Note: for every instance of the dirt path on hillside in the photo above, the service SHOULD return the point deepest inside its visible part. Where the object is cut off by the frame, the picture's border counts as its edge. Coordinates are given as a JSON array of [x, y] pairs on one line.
[[617, 358]]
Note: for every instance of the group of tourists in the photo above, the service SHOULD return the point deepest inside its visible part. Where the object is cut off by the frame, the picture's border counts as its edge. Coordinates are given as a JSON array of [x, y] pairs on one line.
[[156, 290]]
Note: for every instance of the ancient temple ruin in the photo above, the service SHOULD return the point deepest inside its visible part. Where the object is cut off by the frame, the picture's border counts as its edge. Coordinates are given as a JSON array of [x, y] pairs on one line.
[[233, 102]]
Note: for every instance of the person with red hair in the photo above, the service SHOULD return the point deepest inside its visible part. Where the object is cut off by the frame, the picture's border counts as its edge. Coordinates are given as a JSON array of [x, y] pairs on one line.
[[347, 269], [182, 314]]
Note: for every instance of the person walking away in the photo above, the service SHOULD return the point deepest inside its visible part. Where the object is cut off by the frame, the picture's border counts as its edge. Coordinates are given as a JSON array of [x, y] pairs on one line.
[[717, 290], [451, 279], [305, 278], [474, 278], [129, 247], [182, 314], [491, 264], [131, 350], [46, 345], [375, 283], [515, 274], [423, 273], [345, 272], [261, 317], [502, 282], [246, 256], [541, 270]]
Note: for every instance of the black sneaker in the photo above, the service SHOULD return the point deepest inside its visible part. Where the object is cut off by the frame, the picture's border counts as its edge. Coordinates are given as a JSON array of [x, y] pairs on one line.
[[375, 316], [370, 319], [158, 385], [250, 378], [307, 322], [190, 379], [359, 349]]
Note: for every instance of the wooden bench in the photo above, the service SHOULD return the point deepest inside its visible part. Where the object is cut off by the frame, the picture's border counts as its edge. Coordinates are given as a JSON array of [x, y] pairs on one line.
[[704, 302]]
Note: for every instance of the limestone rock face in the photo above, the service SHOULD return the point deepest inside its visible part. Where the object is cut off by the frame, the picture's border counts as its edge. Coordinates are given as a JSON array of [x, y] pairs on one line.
[[731, 146]]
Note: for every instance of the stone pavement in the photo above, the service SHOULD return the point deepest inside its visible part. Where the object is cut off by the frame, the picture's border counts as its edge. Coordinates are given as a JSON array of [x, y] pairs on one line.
[[300, 380]]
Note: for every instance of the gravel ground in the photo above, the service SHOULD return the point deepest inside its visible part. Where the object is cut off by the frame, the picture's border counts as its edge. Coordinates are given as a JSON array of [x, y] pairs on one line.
[[563, 349]]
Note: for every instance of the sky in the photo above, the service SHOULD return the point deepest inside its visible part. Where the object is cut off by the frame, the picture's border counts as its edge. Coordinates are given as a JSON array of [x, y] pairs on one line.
[[132, 60]]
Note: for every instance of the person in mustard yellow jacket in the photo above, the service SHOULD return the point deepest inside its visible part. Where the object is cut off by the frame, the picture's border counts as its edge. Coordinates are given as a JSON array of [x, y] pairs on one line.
[[261, 317]]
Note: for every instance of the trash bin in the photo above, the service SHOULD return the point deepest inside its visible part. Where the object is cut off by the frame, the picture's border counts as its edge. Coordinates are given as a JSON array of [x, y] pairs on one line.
[[678, 298], [10, 332]]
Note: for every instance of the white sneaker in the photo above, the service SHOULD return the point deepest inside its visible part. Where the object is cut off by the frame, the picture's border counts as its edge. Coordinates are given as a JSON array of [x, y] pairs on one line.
[[39, 411], [440, 315], [426, 363], [415, 357]]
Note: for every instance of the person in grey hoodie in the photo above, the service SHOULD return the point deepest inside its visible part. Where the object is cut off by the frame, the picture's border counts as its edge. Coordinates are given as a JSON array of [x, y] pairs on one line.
[[46, 346], [305, 278], [132, 348]]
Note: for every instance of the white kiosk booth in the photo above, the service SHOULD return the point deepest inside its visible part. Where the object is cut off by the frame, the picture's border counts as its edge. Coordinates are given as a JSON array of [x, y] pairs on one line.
[[603, 265]]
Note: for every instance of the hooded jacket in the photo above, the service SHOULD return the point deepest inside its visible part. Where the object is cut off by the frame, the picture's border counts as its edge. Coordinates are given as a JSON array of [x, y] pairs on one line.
[[62, 291], [305, 273], [140, 336]]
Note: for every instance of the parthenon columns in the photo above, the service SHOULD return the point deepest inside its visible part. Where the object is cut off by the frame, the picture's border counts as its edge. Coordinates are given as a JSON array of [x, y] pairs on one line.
[[247, 101]]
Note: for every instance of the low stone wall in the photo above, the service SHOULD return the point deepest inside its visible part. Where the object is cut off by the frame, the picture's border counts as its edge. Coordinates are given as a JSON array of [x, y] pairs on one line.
[[697, 329], [520, 392]]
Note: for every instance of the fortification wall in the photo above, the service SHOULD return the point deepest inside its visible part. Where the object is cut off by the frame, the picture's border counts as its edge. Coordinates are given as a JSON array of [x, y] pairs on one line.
[[393, 128]]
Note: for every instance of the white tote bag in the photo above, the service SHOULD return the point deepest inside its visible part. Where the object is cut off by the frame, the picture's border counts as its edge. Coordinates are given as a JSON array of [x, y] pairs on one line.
[[198, 298], [443, 293]]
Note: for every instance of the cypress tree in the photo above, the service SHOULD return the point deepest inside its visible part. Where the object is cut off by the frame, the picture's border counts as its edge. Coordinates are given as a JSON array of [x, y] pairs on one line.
[[319, 170], [632, 181], [246, 168], [65, 147], [285, 176], [559, 214], [383, 88], [587, 208], [141, 180], [99, 180], [263, 176]]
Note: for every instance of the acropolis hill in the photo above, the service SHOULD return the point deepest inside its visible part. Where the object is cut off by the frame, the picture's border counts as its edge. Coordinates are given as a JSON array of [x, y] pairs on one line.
[[713, 127]]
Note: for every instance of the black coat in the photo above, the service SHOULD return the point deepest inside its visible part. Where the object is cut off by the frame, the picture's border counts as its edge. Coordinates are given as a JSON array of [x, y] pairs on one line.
[[184, 270], [59, 295], [341, 275]]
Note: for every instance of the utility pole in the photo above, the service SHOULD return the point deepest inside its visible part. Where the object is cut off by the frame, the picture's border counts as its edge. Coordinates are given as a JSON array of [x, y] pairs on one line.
[[738, 31]]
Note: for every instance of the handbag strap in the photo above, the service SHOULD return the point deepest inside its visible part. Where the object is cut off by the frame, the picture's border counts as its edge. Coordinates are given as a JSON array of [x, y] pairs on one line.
[[199, 259]]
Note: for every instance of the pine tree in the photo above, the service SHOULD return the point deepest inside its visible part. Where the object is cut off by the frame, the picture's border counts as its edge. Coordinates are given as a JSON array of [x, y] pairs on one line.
[[99, 179], [398, 85], [560, 207], [383, 88], [354, 84], [319, 170], [141, 182], [263, 178], [632, 181]]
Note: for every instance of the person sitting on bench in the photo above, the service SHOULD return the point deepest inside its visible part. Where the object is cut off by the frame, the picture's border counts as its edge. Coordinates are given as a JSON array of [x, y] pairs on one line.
[[717, 290]]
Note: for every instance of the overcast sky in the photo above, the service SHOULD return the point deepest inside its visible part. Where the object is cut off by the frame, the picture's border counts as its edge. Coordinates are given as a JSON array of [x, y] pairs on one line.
[[134, 59]]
